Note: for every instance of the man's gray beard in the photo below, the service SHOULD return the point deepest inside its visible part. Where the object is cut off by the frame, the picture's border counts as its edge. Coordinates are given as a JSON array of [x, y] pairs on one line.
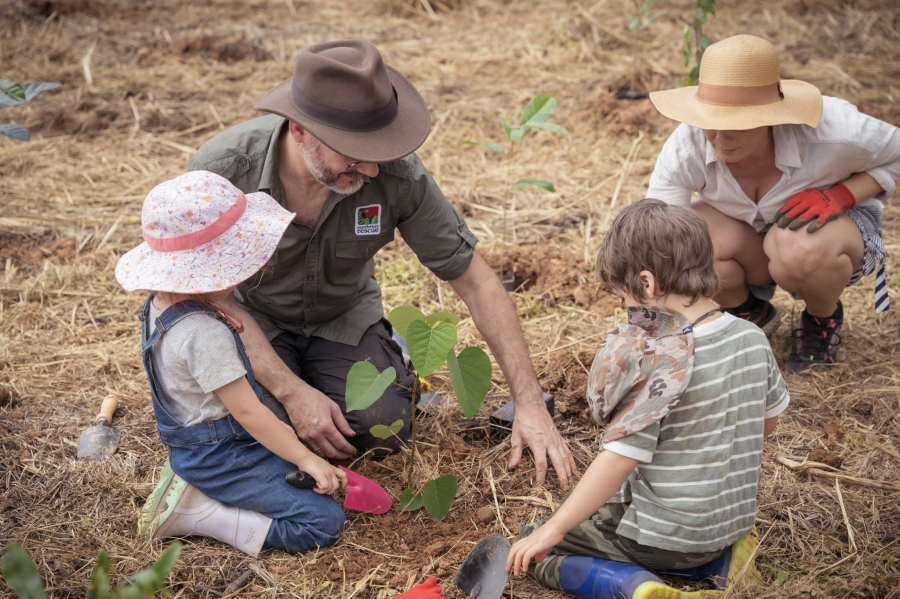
[[315, 164]]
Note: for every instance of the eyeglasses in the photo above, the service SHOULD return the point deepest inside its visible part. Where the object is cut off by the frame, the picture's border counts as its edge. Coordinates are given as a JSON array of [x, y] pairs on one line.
[[350, 165]]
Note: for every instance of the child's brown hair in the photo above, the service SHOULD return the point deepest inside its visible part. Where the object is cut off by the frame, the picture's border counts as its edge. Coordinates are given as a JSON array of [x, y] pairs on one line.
[[671, 242]]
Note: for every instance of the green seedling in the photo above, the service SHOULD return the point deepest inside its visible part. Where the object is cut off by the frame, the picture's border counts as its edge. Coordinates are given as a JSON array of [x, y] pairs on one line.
[[11, 94], [21, 575], [431, 342], [695, 43], [638, 26], [536, 115]]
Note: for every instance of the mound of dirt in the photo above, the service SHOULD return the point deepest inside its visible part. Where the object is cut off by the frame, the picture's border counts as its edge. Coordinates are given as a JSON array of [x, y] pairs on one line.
[[561, 280]]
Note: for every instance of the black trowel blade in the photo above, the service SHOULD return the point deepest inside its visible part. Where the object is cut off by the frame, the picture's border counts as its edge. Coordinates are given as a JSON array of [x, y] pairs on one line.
[[483, 575]]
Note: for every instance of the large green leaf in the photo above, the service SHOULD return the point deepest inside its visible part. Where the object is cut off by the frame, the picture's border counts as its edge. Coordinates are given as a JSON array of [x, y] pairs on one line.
[[536, 182], [12, 90], [20, 573], [99, 588], [410, 500], [470, 373], [386, 432], [438, 495], [442, 317], [401, 316], [428, 346], [549, 127], [492, 147], [365, 385], [15, 132], [539, 110]]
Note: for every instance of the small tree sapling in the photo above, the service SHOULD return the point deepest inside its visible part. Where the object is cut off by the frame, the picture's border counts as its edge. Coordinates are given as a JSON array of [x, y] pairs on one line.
[[11, 94], [431, 342]]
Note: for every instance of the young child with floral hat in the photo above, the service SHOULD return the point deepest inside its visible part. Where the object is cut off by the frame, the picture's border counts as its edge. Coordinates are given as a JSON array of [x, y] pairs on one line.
[[687, 394], [228, 453]]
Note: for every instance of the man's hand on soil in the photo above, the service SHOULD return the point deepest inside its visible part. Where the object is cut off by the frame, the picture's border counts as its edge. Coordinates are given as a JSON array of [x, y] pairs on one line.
[[320, 423], [533, 428]]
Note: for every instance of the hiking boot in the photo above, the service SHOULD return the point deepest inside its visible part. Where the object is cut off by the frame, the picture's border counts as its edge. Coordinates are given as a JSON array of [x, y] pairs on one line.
[[760, 312], [735, 565], [178, 509], [816, 341]]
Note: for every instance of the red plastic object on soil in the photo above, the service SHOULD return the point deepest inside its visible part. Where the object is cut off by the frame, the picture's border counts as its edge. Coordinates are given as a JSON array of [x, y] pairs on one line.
[[427, 590], [364, 495]]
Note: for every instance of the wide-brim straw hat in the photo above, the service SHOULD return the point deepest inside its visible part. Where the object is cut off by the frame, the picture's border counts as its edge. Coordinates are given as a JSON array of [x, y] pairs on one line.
[[740, 87], [344, 94], [202, 234]]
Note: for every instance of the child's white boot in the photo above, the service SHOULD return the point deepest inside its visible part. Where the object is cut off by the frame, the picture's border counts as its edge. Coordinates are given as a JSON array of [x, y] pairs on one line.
[[177, 509]]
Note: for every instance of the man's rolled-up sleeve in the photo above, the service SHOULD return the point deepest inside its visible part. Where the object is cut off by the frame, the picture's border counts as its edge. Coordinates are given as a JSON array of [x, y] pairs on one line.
[[433, 228]]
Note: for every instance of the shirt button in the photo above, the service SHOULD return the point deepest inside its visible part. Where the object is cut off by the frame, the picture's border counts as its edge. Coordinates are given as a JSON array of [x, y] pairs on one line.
[[310, 277], [242, 161], [310, 305]]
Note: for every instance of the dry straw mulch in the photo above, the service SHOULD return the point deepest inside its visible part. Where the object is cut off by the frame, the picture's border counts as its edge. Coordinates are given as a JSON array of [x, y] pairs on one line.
[[146, 82]]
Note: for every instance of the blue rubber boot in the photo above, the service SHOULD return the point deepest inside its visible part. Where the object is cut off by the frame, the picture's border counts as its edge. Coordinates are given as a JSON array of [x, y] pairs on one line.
[[716, 571], [595, 578], [736, 564]]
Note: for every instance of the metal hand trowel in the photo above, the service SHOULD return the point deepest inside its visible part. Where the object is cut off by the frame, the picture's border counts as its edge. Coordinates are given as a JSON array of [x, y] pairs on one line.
[[101, 440], [483, 575], [363, 495]]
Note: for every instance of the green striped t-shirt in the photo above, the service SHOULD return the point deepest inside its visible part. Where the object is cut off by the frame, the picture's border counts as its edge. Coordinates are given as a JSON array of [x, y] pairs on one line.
[[694, 489]]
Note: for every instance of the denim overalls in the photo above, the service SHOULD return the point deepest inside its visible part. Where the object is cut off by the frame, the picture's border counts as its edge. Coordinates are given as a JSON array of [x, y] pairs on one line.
[[226, 463]]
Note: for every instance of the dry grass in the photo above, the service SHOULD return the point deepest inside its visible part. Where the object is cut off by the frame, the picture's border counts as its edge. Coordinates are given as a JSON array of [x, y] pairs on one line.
[[146, 82]]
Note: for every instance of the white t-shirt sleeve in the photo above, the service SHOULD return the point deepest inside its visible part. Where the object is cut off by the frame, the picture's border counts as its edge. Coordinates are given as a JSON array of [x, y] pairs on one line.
[[639, 446], [680, 168], [211, 355]]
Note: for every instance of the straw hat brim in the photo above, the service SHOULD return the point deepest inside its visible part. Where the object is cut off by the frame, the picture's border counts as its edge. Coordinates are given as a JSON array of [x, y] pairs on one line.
[[401, 137], [232, 257], [802, 105]]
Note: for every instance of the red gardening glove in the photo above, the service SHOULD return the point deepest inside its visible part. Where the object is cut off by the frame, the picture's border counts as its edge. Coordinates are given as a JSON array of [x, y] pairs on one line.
[[815, 206], [427, 590]]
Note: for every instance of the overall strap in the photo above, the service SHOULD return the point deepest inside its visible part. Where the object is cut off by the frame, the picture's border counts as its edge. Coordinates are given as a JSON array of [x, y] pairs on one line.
[[151, 331]]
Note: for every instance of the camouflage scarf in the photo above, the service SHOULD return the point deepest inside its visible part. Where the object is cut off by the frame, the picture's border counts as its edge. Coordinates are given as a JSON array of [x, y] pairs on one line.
[[641, 370]]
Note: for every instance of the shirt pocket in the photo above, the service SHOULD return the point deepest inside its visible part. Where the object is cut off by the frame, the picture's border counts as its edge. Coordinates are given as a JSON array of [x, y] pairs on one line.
[[351, 256]]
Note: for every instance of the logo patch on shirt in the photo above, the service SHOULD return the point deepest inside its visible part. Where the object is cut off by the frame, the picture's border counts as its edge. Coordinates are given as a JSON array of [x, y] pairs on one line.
[[368, 220]]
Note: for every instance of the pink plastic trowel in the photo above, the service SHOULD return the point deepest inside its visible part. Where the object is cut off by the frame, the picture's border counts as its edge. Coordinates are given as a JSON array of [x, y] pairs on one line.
[[363, 495]]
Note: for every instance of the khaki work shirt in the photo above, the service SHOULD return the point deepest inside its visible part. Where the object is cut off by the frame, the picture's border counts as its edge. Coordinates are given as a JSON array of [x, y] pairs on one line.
[[320, 282]]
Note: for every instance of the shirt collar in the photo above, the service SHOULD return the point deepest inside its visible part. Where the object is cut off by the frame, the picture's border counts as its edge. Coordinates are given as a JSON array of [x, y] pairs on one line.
[[268, 180], [787, 150]]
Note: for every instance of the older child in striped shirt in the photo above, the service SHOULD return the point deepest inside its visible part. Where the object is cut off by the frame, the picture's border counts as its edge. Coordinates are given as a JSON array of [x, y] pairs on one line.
[[688, 393]]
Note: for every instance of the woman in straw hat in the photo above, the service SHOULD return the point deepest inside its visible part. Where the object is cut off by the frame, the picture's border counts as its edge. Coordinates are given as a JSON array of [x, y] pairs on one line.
[[761, 151]]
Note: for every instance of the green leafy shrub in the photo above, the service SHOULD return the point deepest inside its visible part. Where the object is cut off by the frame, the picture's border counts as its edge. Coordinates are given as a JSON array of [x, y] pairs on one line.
[[21, 575], [11, 94], [431, 343]]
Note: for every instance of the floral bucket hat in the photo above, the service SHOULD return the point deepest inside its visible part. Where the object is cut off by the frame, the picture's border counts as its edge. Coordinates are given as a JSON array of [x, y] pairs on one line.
[[202, 234], [641, 370]]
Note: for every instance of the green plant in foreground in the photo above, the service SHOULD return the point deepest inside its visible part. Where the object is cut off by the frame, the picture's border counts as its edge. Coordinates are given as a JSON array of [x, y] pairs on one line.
[[21, 575], [11, 94], [431, 343], [695, 43]]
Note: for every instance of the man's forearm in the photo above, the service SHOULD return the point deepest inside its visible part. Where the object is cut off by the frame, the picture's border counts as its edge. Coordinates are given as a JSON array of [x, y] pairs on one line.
[[269, 369], [495, 317]]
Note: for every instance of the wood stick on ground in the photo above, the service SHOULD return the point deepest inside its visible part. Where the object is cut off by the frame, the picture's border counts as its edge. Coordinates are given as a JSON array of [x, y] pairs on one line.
[[850, 537], [497, 503], [806, 467]]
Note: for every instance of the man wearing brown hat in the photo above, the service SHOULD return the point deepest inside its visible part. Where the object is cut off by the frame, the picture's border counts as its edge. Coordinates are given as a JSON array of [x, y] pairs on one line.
[[337, 150]]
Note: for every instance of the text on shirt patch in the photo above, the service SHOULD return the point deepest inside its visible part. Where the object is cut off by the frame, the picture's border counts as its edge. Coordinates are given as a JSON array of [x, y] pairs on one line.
[[368, 219]]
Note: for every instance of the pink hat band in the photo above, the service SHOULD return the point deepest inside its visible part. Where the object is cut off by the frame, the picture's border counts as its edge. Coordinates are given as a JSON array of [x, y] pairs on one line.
[[205, 235]]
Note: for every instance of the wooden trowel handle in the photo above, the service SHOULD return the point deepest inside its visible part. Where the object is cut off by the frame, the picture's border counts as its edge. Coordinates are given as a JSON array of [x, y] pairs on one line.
[[107, 409]]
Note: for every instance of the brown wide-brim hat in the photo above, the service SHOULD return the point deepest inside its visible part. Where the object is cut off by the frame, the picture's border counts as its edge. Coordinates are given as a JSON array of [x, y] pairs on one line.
[[344, 94], [740, 87]]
